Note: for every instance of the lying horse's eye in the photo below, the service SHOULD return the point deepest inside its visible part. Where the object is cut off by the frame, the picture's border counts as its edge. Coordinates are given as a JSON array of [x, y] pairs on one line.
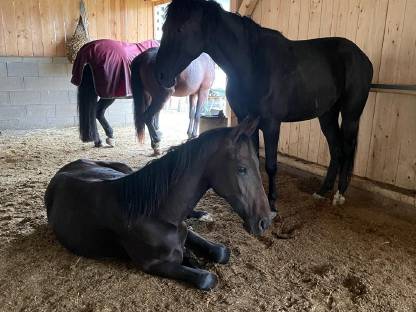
[[242, 170]]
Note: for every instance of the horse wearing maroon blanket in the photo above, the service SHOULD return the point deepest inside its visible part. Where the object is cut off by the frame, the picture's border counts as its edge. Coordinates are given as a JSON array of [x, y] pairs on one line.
[[102, 69]]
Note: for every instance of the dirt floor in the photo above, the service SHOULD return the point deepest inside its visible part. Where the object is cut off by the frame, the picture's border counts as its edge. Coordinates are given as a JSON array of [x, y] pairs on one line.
[[358, 257]]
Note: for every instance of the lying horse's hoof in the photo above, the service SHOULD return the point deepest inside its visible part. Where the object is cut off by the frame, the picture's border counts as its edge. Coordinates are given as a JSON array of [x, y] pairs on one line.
[[339, 199], [317, 196], [111, 142], [207, 281], [222, 255]]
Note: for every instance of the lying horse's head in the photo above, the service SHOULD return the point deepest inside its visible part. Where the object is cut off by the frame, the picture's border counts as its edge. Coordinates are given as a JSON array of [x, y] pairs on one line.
[[185, 36], [233, 173]]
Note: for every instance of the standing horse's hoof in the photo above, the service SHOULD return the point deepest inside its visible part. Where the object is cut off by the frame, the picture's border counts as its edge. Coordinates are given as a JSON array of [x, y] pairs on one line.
[[156, 148], [98, 144], [206, 217], [339, 199], [273, 215], [201, 216], [317, 196], [111, 142]]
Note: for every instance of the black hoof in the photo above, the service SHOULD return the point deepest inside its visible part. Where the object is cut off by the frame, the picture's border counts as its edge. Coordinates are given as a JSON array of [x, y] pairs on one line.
[[98, 144], [222, 255], [207, 281]]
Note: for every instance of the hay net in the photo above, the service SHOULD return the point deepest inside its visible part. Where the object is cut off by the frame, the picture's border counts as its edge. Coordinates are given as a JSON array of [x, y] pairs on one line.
[[80, 36]]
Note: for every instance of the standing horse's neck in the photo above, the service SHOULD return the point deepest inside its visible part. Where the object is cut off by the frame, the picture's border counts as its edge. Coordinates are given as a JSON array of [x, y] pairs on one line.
[[229, 46]]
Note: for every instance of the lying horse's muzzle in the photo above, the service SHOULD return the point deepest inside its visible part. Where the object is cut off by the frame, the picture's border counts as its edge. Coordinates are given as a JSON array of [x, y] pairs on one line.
[[258, 226]]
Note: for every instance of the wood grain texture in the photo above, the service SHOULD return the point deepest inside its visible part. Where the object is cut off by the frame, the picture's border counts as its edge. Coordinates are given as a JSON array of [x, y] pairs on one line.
[[41, 27], [385, 30]]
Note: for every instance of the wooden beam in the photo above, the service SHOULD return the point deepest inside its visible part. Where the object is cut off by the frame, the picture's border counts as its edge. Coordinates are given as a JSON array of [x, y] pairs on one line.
[[157, 2], [247, 7], [394, 88]]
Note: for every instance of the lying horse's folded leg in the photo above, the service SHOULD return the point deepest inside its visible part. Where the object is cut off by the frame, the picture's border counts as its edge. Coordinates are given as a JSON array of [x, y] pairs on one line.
[[202, 279], [189, 260], [207, 249]]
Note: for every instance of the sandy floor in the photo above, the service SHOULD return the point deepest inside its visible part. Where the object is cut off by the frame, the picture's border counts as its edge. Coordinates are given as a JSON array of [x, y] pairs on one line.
[[359, 257]]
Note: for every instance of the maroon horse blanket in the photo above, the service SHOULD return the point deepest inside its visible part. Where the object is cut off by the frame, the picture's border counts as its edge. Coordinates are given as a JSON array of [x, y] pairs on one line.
[[110, 62]]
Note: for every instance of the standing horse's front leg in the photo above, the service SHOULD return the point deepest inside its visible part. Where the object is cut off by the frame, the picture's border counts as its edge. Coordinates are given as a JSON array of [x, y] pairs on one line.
[[271, 130]]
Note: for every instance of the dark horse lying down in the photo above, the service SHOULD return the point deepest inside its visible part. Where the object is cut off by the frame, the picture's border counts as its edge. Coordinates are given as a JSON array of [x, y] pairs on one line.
[[104, 209], [275, 78], [149, 96]]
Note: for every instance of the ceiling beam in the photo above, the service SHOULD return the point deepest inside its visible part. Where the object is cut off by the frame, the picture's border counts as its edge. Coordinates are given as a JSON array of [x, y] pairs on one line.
[[247, 7]]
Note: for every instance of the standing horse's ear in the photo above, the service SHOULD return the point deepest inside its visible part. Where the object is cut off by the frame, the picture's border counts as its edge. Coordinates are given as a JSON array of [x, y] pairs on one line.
[[246, 127]]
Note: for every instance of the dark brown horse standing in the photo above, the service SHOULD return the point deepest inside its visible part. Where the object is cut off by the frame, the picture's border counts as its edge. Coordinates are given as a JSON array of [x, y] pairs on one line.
[[149, 96], [104, 209], [277, 79]]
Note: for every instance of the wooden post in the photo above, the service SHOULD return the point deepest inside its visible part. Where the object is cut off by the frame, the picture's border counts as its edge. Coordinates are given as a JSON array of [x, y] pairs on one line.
[[247, 7]]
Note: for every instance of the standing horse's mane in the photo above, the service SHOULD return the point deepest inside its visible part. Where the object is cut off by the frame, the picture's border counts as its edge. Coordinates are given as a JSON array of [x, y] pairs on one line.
[[143, 191]]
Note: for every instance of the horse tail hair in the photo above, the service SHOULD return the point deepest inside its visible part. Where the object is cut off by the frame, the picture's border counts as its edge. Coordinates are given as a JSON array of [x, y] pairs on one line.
[[87, 107], [139, 101]]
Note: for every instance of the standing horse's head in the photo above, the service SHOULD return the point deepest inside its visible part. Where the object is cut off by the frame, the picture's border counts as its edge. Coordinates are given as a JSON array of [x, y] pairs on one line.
[[185, 35], [233, 173]]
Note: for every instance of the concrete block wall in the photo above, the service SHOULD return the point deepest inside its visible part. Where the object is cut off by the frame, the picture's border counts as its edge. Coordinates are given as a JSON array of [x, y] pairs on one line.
[[36, 92]]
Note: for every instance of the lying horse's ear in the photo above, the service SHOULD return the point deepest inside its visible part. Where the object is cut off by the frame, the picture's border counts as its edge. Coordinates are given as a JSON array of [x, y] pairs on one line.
[[246, 127]]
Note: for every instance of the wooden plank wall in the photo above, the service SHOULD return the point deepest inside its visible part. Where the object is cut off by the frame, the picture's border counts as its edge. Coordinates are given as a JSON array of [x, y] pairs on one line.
[[386, 31], [40, 27]]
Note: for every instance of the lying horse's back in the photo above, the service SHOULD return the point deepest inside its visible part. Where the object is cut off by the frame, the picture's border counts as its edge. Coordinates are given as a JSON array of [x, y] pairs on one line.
[[74, 213]]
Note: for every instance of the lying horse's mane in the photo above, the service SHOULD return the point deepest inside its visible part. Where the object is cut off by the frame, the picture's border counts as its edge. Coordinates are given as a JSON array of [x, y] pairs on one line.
[[143, 191]]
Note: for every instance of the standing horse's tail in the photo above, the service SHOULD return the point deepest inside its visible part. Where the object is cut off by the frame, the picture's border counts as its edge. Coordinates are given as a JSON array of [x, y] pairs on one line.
[[87, 107], [139, 102]]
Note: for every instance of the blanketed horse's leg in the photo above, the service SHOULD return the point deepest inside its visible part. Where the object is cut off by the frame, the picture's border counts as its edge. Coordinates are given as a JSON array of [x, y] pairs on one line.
[[271, 129], [207, 249], [103, 104]]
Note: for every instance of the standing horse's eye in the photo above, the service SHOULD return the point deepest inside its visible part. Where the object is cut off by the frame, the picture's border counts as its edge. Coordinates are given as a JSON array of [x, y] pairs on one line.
[[242, 170]]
